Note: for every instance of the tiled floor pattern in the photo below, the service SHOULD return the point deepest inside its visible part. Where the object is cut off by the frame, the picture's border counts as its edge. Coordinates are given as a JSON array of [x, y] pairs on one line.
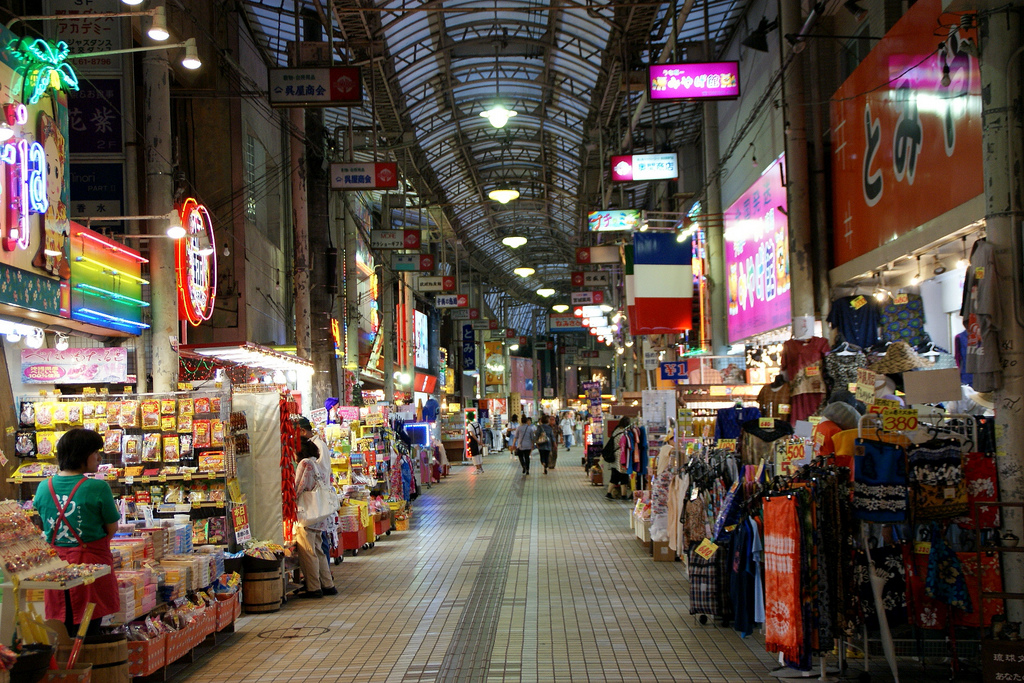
[[500, 578]]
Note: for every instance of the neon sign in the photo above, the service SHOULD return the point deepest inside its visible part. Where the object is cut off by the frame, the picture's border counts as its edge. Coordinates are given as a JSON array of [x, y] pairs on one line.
[[44, 67], [196, 264], [105, 281], [25, 180]]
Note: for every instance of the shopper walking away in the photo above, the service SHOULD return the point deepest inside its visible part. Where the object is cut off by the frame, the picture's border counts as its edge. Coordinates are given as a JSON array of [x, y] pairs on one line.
[[314, 467], [510, 433], [522, 442], [567, 426], [79, 519], [545, 441], [473, 437]]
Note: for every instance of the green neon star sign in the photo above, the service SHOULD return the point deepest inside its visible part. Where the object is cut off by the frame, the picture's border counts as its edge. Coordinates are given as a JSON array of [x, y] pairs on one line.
[[43, 67]]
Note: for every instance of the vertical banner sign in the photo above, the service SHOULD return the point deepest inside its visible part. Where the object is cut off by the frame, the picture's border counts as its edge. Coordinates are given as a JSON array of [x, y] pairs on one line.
[[757, 257], [494, 363], [468, 348], [906, 148]]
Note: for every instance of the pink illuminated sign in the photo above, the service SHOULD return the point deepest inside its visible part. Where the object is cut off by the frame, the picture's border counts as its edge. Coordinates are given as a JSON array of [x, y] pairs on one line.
[[694, 81]]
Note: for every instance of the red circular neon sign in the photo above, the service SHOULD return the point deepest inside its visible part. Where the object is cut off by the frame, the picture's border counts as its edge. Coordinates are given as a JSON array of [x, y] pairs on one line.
[[196, 264]]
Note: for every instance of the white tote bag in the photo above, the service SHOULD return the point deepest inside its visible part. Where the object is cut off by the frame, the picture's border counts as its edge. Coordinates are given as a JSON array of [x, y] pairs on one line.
[[316, 505]]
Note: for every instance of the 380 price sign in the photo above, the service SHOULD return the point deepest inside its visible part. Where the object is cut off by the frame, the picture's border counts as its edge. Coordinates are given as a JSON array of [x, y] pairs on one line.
[[899, 420]]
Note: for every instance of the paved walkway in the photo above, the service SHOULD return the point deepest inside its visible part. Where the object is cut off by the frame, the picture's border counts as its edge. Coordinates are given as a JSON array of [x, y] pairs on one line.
[[500, 578]]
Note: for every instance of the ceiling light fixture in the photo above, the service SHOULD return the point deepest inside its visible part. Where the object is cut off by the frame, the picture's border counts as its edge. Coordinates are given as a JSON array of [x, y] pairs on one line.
[[560, 308], [524, 271], [503, 196], [498, 115], [964, 261], [174, 229], [858, 12], [61, 343], [546, 292], [514, 241], [917, 278], [158, 25], [513, 347], [937, 267], [191, 59], [758, 38]]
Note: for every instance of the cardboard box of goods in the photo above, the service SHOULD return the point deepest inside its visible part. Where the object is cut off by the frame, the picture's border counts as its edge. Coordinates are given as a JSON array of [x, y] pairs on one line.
[[662, 553]]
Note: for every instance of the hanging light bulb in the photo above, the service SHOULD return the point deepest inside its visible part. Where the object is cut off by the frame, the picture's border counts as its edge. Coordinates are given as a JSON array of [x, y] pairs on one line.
[[560, 308], [964, 261], [524, 271], [498, 115], [61, 342], [514, 241], [503, 196], [917, 278], [36, 339], [158, 28]]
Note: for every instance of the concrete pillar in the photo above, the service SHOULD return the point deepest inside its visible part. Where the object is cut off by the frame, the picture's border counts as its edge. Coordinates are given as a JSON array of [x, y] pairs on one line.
[[797, 195], [999, 37], [300, 227], [715, 226], [160, 201]]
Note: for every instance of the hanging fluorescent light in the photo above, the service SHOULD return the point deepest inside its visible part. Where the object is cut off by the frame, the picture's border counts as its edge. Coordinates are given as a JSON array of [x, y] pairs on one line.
[[524, 271], [514, 241], [546, 292], [498, 115], [158, 26], [503, 196], [560, 308], [191, 59]]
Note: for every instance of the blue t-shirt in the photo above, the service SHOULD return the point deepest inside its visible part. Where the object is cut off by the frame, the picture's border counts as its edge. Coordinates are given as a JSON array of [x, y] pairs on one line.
[[857, 325]]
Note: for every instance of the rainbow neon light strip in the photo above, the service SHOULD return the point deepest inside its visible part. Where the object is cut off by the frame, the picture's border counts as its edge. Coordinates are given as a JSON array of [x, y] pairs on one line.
[[106, 293], [106, 281]]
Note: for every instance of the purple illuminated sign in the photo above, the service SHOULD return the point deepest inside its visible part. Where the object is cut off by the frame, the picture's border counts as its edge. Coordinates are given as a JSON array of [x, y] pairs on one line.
[[694, 81]]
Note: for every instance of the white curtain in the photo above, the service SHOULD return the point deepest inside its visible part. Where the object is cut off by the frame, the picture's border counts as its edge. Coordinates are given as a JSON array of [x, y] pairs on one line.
[[259, 473]]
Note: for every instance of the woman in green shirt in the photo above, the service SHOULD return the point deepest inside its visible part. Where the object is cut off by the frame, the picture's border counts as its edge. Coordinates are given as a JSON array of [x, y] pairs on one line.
[[79, 519]]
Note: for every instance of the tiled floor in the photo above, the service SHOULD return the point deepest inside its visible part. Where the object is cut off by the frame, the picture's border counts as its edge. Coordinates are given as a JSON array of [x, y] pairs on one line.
[[500, 578]]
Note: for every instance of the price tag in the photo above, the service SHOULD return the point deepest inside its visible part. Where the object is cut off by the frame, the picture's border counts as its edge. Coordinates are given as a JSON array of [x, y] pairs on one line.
[[922, 547], [143, 480], [766, 423], [10, 431], [899, 420], [129, 480], [864, 393], [187, 476], [979, 272], [3, 459], [812, 371], [162, 478], [706, 549], [901, 299], [784, 409], [88, 580], [815, 419], [211, 475], [887, 404], [728, 444], [17, 478], [220, 503], [858, 302]]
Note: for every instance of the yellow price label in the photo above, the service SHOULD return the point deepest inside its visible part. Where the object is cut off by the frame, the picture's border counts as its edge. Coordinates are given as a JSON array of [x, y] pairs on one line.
[[858, 302], [162, 477], [899, 420], [901, 299], [812, 371], [211, 475], [706, 549], [143, 480], [728, 444], [220, 503], [187, 476], [815, 419], [88, 580], [766, 422], [922, 547], [784, 409]]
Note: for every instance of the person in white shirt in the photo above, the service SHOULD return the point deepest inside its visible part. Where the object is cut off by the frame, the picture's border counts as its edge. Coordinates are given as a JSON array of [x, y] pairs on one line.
[[567, 429]]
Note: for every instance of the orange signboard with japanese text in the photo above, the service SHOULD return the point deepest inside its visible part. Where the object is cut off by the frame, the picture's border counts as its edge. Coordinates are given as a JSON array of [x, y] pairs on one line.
[[905, 147]]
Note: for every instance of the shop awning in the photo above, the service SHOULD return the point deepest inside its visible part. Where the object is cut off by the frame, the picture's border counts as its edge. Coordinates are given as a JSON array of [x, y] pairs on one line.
[[248, 354]]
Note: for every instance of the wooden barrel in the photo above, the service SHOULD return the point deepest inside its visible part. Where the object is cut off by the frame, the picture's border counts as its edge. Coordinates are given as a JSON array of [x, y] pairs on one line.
[[261, 592], [108, 656]]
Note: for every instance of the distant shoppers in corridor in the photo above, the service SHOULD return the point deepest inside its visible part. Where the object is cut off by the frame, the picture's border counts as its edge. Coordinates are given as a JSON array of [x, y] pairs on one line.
[[522, 442], [545, 441]]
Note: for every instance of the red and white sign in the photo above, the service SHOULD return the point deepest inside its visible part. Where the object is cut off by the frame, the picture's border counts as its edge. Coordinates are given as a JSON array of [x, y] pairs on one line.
[[510, 333], [435, 283], [395, 239], [315, 87], [629, 167], [425, 383], [564, 323], [582, 279], [369, 176], [196, 264], [586, 255], [587, 298], [412, 262], [523, 341], [466, 314]]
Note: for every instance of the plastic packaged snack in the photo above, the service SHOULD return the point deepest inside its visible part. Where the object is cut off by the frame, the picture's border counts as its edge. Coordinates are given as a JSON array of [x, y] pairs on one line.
[[185, 423], [168, 423], [185, 406], [171, 449], [25, 444], [202, 406], [131, 449], [186, 445], [215, 404], [75, 416], [46, 444], [168, 406], [150, 414], [129, 414], [113, 412], [44, 415], [60, 412], [27, 414], [211, 461], [151, 448], [216, 433], [99, 409], [112, 441], [201, 434], [88, 410]]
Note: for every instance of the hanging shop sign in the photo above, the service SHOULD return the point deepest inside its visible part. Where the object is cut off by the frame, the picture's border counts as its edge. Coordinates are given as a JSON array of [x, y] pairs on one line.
[[485, 324], [106, 281], [451, 301], [898, 133], [336, 86], [578, 298], [675, 370], [435, 283], [584, 279], [468, 348], [421, 332], [494, 363], [196, 264], [412, 262], [425, 383], [395, 239], [757, 257], [369, 176], [585, 255], [609, 221], [629, 167], [565, 322], [466, 314], [74, 366], [510, 333], [694, 81]]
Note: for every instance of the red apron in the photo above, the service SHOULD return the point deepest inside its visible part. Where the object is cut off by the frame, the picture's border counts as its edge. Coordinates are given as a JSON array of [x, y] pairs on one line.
[[103, 591]]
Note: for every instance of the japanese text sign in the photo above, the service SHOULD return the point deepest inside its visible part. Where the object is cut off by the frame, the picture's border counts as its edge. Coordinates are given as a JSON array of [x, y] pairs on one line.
[[694, 81], [312, 87]]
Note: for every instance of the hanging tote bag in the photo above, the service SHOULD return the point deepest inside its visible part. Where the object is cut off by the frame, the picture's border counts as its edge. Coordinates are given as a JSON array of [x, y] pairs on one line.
[[316, 505]]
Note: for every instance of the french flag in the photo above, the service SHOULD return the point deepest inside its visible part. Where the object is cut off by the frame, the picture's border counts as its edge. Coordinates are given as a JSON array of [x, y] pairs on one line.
[[662, 284]]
